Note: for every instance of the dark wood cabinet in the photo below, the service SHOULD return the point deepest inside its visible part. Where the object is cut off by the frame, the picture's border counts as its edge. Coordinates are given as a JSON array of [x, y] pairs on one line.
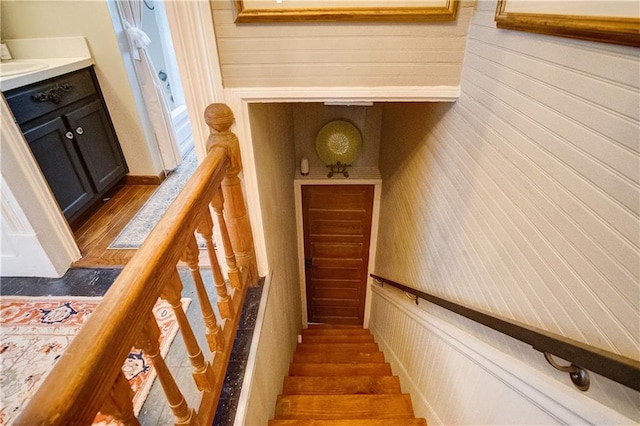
[[69, 131]]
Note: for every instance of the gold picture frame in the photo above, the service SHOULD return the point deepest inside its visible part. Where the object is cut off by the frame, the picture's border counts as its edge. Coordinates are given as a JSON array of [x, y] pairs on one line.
[[352, 11], [623, 30]]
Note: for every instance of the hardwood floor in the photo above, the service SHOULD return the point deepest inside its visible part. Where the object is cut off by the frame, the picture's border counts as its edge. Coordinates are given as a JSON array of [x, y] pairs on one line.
[[96, 232], [99, 230]]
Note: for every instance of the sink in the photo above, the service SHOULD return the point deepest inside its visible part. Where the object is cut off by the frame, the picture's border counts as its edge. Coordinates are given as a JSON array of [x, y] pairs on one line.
[[18, 66]]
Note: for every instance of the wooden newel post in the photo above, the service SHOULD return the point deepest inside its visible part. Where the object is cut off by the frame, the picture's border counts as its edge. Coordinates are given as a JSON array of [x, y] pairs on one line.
[[219, 118]]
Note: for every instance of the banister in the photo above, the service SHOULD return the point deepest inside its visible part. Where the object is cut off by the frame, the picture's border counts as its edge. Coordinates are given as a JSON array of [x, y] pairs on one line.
[[621, 369], [89, 371]]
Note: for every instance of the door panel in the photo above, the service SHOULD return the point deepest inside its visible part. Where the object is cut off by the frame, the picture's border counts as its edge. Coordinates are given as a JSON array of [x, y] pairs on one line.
[[341, 250], [337, 232], [97, 143], [61, 166]]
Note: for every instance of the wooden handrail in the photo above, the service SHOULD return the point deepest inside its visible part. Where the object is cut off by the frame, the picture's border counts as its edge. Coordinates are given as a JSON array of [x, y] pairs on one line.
[[88, 377], [623, 370]]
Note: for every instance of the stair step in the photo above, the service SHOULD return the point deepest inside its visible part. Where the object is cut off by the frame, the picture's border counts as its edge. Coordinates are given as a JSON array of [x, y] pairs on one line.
[[350, 422], [358, 338], [329, 326], [355, 385], [338, 357], [335, 331], [342, 407], [338, 347], [337, 369]]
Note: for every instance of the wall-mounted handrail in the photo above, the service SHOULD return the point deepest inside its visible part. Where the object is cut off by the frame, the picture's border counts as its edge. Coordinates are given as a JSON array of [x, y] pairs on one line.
[[623, 370]]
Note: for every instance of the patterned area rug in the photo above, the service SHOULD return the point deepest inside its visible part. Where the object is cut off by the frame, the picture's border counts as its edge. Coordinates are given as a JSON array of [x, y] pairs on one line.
[[34, 333], [138, 228]]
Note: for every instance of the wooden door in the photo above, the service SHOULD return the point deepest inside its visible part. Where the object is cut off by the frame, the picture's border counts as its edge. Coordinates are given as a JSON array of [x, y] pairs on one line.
[[337, 232]]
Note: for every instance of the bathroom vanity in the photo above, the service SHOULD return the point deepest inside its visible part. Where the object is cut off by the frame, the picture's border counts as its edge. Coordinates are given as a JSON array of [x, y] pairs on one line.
[[66, 124]]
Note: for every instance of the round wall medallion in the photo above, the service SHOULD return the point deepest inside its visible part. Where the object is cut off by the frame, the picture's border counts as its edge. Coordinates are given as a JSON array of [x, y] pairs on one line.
[[338, 141]]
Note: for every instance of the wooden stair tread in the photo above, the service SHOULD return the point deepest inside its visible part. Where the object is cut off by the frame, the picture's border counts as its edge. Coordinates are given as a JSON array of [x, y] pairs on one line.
[[324, 385], [334, 326], [338, 357], [350, 422], [341, 407], [340, 369], [337, 347], [357, 338], [335, 332]]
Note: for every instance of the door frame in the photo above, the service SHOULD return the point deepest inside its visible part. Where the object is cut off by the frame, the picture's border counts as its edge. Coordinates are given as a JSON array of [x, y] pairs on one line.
[[365, 176]]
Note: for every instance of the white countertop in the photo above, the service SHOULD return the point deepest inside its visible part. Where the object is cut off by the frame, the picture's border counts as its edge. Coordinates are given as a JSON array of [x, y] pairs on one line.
[[61, 54], [56, 67]]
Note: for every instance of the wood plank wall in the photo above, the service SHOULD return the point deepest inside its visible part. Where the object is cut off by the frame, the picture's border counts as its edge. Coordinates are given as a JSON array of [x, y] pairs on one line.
[[339, 54], [522, 199]]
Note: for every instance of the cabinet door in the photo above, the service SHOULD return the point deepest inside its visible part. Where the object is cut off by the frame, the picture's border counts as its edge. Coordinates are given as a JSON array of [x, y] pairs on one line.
[[97, 144], [61, 166]]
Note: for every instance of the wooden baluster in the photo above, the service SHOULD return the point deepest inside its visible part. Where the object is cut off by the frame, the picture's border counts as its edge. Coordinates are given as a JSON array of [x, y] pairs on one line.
[[202, 371], [219, 118], [225, 306], [148, 342], [213, 332], [119, 402], [234, 275]]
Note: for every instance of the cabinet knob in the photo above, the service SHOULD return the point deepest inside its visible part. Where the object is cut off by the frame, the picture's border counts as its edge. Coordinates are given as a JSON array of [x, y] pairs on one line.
[[79, 130], [69, 135]]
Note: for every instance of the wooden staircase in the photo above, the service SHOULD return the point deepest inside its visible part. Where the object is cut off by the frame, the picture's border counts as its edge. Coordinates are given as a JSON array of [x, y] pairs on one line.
[[339, 377]]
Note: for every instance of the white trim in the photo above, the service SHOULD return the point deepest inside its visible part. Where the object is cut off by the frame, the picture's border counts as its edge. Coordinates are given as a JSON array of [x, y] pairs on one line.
[[238, 99], [196, 52], [558, 400], [25, 180], [250, 370]]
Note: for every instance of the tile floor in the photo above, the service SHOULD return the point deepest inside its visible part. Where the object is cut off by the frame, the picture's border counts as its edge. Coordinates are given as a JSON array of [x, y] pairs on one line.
[[95, 282]]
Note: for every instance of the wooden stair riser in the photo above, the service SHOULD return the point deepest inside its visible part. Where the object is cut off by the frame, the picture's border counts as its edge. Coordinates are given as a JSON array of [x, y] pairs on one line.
[[342, 407], [340, 370], [358, 338], [350, 385], [336, 332], [338, 357], [350, 422], [337, 347], [333, 326]]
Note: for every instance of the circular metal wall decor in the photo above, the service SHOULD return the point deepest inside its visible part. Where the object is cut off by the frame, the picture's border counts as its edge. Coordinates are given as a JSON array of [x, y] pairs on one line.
[[338, 144]]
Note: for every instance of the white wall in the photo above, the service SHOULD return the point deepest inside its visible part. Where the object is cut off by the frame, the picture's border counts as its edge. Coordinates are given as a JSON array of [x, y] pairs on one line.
[[521, 199], [339, 54], [91, 19], [272, 134]]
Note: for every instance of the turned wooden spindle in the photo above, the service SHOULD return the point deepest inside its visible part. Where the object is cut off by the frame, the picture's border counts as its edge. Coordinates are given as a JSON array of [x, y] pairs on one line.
[[202, 372], [234, 274], [213, 332], [148, 342], [119, 404], [219, 118], [225, 306]]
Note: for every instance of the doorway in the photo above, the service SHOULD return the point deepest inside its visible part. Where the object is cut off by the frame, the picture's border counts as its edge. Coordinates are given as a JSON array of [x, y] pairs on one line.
[[337, 234]]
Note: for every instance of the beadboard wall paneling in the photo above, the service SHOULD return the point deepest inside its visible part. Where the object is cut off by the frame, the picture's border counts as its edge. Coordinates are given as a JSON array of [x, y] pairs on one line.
[[522, 198], [340, 54], [484, 386], [272, 133]]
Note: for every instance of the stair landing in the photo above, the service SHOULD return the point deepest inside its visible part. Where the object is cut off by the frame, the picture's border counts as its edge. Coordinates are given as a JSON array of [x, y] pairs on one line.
[[338, 376]]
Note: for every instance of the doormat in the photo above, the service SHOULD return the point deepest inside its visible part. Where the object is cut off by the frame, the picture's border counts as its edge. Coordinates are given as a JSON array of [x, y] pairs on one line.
[[34, 333], [139, 227]]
